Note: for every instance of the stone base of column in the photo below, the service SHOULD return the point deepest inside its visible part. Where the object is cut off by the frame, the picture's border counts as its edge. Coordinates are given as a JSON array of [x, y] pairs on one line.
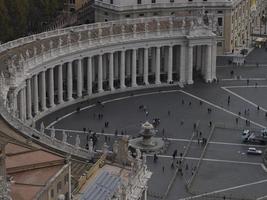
[[43, 109], [169, 81], [52, 105], [134, 85], [146, 83], [123, 86], [190, 82], [60, 102], [112, 89], [70, 98], [208, 80], [158, 83], [100, 90]]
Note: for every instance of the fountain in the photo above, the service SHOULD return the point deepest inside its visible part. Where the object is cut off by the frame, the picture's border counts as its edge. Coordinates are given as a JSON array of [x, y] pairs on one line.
[[147, 142]]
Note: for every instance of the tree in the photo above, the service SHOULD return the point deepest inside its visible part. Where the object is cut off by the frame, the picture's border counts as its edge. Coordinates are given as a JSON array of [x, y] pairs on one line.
[[22, 17]]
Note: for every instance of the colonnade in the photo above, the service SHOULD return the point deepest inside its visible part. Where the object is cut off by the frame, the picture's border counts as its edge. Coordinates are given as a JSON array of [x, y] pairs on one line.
[[107, 71]]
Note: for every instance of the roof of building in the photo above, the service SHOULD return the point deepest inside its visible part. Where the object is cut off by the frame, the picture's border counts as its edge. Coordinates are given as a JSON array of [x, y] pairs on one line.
[[103, 188], [30, 169]]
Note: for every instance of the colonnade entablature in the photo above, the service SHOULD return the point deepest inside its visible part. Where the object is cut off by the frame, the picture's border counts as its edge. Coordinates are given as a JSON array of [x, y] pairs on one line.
[[55, 69]]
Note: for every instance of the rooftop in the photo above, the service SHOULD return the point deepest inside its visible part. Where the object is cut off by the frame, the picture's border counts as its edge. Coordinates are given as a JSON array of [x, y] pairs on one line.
[[30, 169]]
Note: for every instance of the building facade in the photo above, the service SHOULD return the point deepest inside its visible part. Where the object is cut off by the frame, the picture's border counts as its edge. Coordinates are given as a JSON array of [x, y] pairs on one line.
[[232, 21], [74, 5]]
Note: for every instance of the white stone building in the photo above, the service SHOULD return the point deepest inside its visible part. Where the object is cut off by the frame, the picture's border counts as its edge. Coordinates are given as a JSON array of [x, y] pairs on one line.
[[231, 20], [52, 70]]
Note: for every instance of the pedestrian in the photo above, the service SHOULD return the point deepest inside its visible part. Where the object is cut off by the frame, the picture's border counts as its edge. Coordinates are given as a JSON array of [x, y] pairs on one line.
[[146, 113], [163, 168], [186, 166], [232, 72], [247, 81], [195, 126], [210, 123], [174, 154], [189, 103], [200, 134], [256, 84], [172, 165], [258, 108], [266, 114], [106, 138]]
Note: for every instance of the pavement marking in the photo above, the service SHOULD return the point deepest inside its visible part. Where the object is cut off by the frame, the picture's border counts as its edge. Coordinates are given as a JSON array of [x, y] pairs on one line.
[[243, 79], [171, 139], [245, 86], [244, 99], [219, 143], [224, 190], [264, 167], [108, 101], [261, 198], [223, 109], [67, 115], [212, 160]]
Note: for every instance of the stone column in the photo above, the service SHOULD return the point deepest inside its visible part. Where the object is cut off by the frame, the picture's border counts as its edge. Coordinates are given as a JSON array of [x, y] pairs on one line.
[[29, 99], [69, 81], [79, 78], [43, 91], [60, 85], [190, 65], [35, 94], [116, 65], [100, 73], [166, 59], [122, 70], [89, 76], [203, 60], [182, 63], [134, 68], [198, 62], [157, 75], [170, 64], [213, 63], [22, 113], [141, 61], [15, 110], [21, 104], [51, 87], [111, 71], [146, 66], [208, 64], [153, 59], [128, 63]]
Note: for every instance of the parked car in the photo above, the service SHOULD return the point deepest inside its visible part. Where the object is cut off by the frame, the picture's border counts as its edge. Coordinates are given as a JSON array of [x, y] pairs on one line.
[[254, 151]]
